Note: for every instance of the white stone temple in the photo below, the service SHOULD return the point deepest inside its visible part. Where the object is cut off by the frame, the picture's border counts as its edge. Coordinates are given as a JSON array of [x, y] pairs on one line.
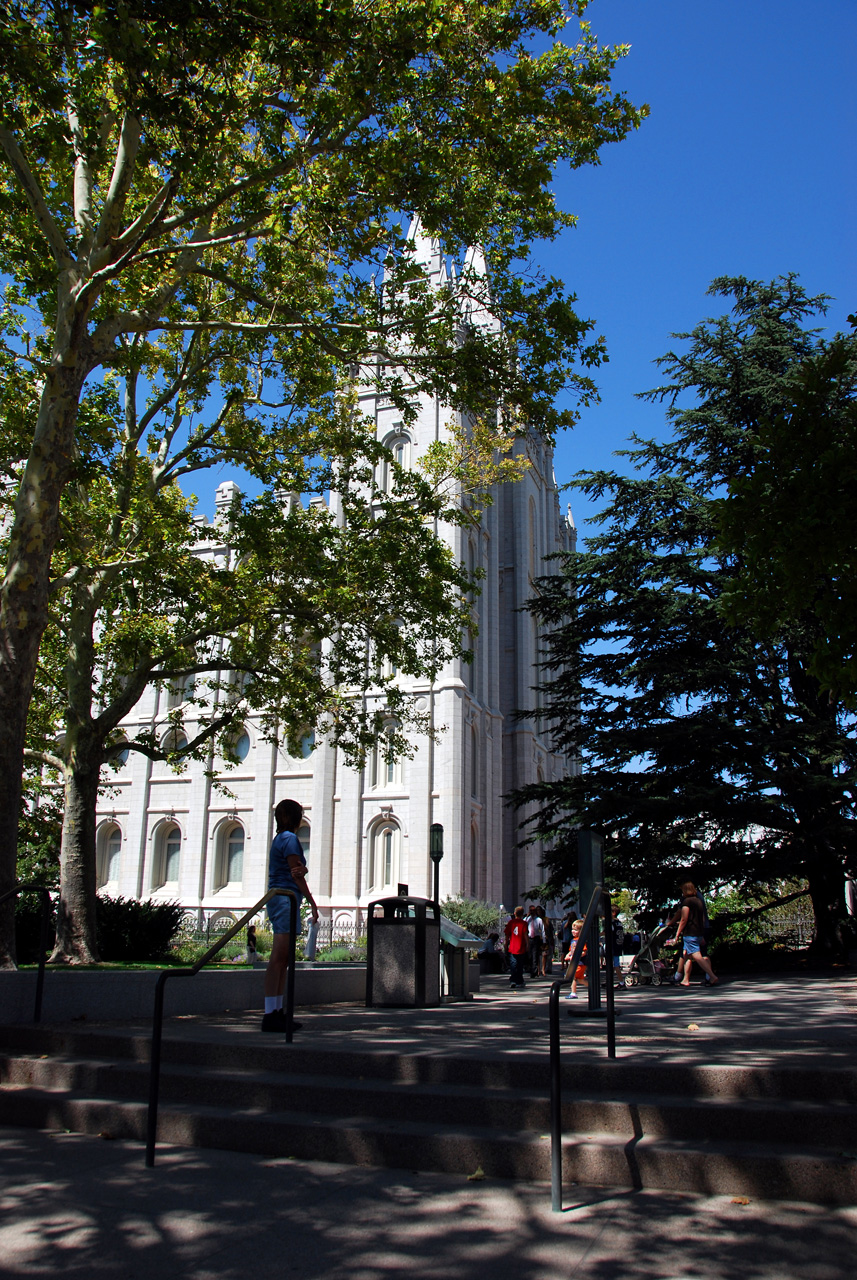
[[174, 837]]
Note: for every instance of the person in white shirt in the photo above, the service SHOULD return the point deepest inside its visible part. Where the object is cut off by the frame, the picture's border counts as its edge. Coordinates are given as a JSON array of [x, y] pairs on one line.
[[536, 933]]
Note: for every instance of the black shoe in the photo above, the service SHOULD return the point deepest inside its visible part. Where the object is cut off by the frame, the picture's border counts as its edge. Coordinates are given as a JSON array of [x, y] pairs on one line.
[[274, 1021]]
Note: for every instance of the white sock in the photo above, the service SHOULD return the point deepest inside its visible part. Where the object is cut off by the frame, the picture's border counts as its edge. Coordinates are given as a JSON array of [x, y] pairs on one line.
[[271, 1003], [279, 1000]]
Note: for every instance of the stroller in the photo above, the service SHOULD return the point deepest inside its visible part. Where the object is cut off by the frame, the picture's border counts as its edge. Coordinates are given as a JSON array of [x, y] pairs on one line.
[[647, 966]]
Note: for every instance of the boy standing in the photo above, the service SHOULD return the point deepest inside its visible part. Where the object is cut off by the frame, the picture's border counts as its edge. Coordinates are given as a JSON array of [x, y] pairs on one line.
[[286, 870]]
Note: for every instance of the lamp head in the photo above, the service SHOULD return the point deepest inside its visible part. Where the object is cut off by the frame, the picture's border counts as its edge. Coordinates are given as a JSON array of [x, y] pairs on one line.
[[436, 842]]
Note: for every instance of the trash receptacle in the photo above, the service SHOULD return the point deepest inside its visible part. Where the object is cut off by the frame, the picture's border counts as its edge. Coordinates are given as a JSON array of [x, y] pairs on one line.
[[456, 945], [403, 953]]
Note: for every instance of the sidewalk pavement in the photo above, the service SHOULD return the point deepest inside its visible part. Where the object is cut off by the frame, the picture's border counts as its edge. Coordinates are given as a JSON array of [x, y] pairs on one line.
[[72, 1205], [790, 1020], [75, 1206]]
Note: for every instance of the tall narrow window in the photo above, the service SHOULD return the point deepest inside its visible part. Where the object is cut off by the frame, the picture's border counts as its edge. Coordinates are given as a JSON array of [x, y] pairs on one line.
[[474, 760], [109, 854], [400, 449], [383, 856], [386, 767], [235, 856], [303, 837], [111, 862], [180, 691], [172, 855], [387, 847], [475, 887]]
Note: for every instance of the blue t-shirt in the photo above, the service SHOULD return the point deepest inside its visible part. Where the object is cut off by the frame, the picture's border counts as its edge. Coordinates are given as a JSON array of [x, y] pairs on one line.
[[284, 845]]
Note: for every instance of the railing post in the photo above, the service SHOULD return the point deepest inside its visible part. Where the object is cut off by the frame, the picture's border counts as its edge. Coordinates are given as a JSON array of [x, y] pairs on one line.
[[608, 964], [290, 975], [155, 1069], [44, 925], [585, 938], [556, 1100]]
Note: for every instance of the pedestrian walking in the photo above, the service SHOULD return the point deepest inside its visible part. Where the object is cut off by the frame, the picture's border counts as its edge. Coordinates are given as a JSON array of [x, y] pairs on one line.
[[536, 935], [690, 931], [517, 946]]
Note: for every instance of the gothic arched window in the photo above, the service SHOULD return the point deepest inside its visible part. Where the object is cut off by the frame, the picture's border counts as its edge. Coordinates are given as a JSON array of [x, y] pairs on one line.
[[167, 864], [399, 446], [383, 856], [229, 870], [109, 853]]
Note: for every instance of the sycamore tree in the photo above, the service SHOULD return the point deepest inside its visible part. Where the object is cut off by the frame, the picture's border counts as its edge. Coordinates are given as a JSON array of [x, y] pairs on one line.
[[283, 609], [237, 172], [703, 747]]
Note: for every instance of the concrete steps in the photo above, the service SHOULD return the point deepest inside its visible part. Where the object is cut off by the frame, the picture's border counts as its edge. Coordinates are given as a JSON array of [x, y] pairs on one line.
[[772, 1133]]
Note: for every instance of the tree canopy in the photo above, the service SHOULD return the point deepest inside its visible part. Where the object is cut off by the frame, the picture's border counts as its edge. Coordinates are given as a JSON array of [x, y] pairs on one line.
[[235, 174], [790, 521], [702, 748]]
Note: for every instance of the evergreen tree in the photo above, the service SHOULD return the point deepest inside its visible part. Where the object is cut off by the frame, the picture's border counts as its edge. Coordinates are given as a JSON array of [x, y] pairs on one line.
[[791, 519], [701, 746]]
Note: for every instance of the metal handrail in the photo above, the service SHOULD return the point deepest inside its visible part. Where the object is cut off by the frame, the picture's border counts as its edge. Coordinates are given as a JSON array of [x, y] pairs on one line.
[[556, 987], [22, 887], [158, 1014]]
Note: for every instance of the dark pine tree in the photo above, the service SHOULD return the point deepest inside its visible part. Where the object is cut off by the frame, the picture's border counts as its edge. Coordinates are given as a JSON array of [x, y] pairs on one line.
[[691, 731]]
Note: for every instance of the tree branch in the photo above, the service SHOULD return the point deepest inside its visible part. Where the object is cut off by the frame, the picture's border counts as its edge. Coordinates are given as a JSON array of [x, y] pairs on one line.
[[120, 182], [82, 183], [45, 757], [33, 191]]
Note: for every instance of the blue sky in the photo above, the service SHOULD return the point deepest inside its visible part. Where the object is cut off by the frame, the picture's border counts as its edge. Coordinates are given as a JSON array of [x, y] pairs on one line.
[[745, 166]]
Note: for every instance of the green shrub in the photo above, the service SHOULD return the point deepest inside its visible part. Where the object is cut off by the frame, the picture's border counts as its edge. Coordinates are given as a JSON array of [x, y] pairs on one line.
[[477, 917], [136, 932], [343, 954]]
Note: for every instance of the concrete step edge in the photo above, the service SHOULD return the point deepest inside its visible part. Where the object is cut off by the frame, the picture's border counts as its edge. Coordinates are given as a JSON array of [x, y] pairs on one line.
[[252, 1115], [707, 1168], [708, 1081], [178, 1072]]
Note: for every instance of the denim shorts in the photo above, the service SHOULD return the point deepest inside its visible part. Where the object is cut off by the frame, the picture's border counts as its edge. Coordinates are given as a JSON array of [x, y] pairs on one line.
[[280, 913], [692, 946]]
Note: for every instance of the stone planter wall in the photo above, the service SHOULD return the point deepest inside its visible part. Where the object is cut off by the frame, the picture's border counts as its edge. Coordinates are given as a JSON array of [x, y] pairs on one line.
[[123, 995]]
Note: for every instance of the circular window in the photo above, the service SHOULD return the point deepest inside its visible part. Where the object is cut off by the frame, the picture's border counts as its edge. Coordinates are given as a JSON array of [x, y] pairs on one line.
[[242, 746], [174, 740]]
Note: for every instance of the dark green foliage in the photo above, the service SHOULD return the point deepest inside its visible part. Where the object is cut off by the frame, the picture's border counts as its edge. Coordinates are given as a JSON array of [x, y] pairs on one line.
[[39, 834], [791, 519], [140, 932], [705, 751], [28, 924]]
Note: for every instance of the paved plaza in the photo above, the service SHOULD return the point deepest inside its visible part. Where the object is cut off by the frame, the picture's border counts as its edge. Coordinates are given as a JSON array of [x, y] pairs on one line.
[[84, 1206]]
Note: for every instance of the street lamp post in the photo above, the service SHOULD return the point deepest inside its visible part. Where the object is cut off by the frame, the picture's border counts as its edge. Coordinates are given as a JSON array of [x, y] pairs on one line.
[[436, 853]]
